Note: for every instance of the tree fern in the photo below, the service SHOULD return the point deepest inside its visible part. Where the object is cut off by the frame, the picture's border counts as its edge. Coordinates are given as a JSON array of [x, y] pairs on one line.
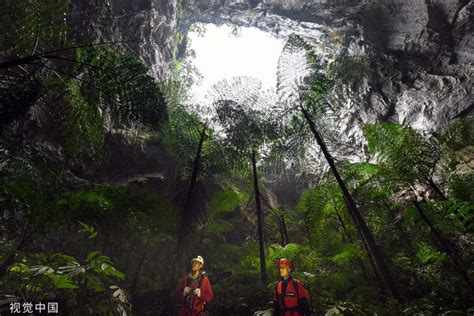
[[290, 251], [243, 90], [32, 26], [223, 201], [404, 151], [304, 82]]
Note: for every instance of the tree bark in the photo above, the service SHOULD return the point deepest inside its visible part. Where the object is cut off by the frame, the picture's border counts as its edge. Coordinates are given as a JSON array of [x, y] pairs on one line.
[[359, 221], [445, 247], [285, 231], [263, 272]]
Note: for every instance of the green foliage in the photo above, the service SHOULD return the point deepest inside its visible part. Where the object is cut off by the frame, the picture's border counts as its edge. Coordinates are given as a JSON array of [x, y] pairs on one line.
[[348, 254], [397, 227], [428, 255], [402, 150], [347, 308], [459, 134], [31, 26], [42, 276], [182, 134], [307, 84], [28, 185], [81, 89], [238, 103], [122, 83], [91, 90], [276, 252], [462, 187], [312, 83], [90, 202], [224, 201], [360, 172], [38, 215], [88, 229], [79, 123], [218, 206], [349, 71]]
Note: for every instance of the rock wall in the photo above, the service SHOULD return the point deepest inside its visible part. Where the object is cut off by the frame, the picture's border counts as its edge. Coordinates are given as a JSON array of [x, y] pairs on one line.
[[146, 27], [143, 27], [422, 52]]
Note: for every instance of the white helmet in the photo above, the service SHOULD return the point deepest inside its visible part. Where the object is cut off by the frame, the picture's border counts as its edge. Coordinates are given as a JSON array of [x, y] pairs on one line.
[[198, 259]]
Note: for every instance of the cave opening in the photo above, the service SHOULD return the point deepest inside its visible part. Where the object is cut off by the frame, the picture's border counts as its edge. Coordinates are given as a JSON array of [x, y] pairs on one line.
[[226, 51]]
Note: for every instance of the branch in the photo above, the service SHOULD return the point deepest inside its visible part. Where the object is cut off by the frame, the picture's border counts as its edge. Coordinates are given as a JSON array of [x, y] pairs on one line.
[[30, 58]]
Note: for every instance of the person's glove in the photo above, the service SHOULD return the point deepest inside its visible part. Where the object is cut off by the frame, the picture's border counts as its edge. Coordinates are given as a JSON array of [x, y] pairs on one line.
[[186, 290], [197, 292]]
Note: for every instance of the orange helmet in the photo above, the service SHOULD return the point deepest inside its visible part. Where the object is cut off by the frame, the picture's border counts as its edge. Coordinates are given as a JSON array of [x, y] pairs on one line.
[[283, 262]]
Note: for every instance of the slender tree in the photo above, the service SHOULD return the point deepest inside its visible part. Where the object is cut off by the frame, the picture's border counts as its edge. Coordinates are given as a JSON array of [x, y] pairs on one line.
[[304, 87], [445, 246], [237, 105], [261, 246], [413, 157], [187, 215], [200, 158], [280, 217]]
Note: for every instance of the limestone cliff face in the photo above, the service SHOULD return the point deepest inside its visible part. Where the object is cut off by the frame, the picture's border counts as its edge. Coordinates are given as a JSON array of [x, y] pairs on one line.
[[422, 52], [143, 27], [146, 27]]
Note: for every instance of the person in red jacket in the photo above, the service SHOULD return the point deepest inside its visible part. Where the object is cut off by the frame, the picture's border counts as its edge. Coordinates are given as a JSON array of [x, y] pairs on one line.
[[194, 290], [291, 298]]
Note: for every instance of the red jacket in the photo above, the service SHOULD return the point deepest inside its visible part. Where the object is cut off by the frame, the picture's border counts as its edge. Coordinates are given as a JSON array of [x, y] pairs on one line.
[[191, 304], [291, 299]]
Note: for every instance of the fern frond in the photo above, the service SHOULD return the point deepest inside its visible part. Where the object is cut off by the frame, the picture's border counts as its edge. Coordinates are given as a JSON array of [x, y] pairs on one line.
[[404, 151], [242, 90]]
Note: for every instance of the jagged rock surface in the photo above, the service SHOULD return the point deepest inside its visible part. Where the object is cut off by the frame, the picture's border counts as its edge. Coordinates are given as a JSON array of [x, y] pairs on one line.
[[146, 27], [422, 52]]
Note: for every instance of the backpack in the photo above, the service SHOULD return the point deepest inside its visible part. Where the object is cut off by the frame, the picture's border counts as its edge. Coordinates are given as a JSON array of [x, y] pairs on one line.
[[282, 295], [193, 304]]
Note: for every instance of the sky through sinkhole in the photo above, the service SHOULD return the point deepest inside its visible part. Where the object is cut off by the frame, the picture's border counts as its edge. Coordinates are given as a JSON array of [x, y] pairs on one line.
[[220, 54]]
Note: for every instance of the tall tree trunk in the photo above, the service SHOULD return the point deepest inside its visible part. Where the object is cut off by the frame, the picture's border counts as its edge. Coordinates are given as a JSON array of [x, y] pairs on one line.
[[379, 279], [282, 237], [445, 246], [263, 272], [435, 188], [359, 261], [187, 215], [359, 221], [285, 231], [443, 197]]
